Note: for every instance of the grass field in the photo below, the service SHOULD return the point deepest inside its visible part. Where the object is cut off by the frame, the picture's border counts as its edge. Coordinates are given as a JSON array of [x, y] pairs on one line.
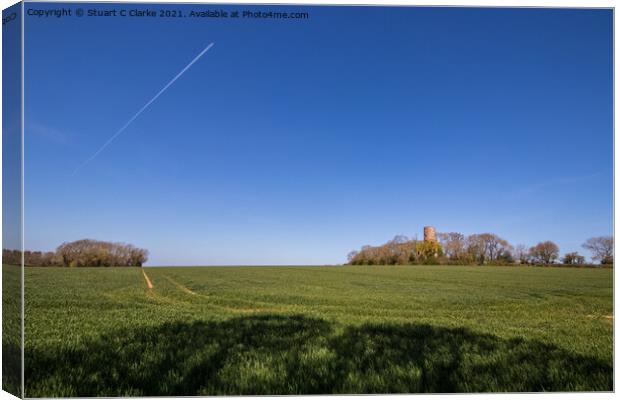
[[293, 330]]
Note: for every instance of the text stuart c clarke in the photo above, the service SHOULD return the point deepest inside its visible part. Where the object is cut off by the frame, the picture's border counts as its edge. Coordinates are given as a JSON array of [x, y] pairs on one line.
[[68, 12], [165, 13]]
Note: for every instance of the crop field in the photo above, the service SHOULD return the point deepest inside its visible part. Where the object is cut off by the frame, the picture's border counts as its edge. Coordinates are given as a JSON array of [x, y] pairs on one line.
[[306, 330]]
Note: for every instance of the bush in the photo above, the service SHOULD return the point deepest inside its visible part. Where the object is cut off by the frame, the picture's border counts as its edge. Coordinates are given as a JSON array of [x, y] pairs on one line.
[[94, 253]]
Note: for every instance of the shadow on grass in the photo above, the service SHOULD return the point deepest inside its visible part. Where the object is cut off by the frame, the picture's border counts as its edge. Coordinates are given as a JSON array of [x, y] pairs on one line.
[[11, 329], [300, 355], [11, 368]]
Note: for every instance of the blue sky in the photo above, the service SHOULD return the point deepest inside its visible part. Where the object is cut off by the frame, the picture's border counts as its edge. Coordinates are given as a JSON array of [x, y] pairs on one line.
[[296, 141]]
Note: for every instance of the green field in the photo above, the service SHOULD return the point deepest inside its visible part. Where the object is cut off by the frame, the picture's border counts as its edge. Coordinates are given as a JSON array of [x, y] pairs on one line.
[[294, 330]]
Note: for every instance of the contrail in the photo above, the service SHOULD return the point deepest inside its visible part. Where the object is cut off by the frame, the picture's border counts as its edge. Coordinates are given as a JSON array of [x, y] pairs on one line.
[[143, 108]]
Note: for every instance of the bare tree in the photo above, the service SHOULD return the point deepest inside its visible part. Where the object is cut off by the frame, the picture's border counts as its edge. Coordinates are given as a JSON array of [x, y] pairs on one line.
[[496, 246], [487, 247], [521, 254], [476, 248], [137, 257], [602, 248], [545, 252], [399, 239], [454, 244]]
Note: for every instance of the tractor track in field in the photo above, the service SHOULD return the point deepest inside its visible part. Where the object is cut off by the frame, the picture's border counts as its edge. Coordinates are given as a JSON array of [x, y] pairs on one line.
[[237, 310], [182, 287], [608, 318], [149, 284]]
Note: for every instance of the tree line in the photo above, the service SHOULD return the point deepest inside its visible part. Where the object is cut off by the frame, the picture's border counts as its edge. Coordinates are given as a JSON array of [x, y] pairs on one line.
[[478, 249], [81, 253]]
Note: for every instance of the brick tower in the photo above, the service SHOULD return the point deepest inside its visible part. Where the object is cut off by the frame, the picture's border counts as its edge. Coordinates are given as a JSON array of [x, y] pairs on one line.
[[429, 234]]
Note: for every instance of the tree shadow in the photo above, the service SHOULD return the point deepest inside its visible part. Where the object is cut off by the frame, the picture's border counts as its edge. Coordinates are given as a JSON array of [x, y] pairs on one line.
[[11, 329], [421, 358], [299, 355], [11, 367]]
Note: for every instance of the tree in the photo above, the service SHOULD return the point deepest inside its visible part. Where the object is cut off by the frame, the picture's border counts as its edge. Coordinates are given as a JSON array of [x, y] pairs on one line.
[[504, 258], [454, 245], [363, 257], [351, 256], [487, 247], [497, 247], [11, 257], [398, 251], [41, 259], [521, 254], [427, 252], [573, 258], [137, 257], [602, 248], [476, 248], [544, 252], [95, 253]]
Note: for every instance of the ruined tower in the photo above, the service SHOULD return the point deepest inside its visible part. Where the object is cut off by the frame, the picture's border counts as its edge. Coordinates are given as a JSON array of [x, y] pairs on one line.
[[429, 234]]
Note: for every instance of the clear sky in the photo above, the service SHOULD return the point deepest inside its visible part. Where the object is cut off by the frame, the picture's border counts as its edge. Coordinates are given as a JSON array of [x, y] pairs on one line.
[[296, 141]]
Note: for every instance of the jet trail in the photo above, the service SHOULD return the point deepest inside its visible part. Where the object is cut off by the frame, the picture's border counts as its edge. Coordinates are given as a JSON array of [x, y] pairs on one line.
[[143, 108]]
